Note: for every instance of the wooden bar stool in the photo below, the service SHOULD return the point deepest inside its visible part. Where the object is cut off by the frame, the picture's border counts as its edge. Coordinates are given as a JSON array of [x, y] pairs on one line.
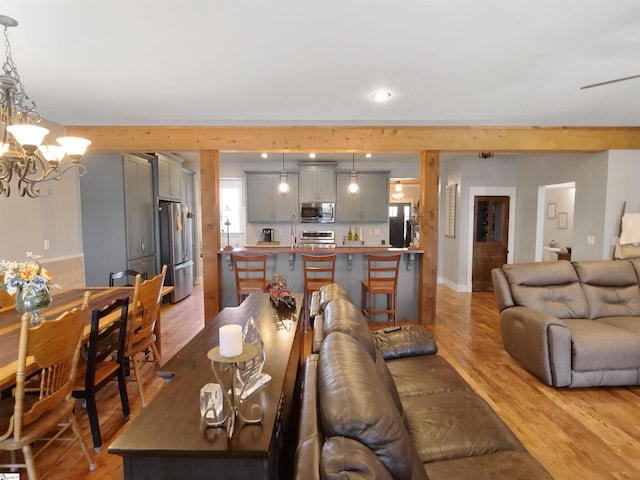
[[319, 270], [382, 279], [251, 274]]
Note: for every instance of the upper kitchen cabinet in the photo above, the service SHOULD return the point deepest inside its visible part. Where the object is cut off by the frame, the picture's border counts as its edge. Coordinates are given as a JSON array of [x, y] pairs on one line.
[[117, 215], [370, 204], [264, 204], [317, 183], [169, 178], [139, 211]]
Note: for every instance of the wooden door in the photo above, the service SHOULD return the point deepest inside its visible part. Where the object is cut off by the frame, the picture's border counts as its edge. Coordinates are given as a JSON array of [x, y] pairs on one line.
[[490, 239]]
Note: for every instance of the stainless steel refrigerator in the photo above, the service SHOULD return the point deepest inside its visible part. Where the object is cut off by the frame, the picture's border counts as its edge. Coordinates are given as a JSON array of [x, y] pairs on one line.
[[175, 248]]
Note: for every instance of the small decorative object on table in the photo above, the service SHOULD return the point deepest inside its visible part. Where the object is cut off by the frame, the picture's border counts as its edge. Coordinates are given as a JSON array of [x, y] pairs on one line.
[[280, 293], [30, 282], [252, 378], [221, 355]]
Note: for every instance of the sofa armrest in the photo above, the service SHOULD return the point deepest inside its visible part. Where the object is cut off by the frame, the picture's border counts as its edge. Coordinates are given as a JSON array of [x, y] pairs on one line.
[[525, 335], [317, 334], [405, 341], [310, 439]]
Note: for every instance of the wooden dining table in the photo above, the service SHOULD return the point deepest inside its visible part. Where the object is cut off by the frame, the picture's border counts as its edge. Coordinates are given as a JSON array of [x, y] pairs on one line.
[[63, 300]]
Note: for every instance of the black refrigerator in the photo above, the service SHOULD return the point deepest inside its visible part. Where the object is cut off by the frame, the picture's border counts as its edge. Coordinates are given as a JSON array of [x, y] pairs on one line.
[[175, 248]]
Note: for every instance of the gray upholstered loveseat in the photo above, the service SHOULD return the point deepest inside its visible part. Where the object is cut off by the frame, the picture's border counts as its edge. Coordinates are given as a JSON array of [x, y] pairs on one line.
[[384, 405], [572, 324]]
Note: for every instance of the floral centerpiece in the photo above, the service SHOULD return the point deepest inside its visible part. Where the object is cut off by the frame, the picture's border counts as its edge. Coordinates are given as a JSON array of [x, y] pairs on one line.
[[30, 282]]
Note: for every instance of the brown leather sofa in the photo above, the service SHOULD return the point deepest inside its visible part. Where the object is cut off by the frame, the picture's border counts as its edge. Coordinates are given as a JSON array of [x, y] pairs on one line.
[[572, 324], [383, 405]]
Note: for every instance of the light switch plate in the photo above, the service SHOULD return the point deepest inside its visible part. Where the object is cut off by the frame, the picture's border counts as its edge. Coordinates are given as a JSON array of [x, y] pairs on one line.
[[591, 240]]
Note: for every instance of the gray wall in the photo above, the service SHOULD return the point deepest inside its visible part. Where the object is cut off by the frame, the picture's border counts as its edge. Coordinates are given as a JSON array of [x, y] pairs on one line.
[[603, 181], [25, 223]]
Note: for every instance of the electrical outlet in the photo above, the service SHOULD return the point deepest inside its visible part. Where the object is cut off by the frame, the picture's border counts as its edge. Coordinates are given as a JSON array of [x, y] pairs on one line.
[[591, 240], [377, 231], [280, 231], [47, 245]]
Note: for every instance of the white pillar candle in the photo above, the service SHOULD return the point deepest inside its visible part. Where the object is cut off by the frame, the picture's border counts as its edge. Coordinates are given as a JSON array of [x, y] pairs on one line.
[[230, 340]]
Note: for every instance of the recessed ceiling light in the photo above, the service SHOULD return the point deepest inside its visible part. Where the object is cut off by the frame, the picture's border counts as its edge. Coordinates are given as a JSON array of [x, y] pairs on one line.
[[312, 155], [368, 155], [381, 95], [264, 155]]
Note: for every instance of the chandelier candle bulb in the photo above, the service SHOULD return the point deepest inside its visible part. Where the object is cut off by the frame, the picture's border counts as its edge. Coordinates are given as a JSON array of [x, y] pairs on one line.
[[230, 340]]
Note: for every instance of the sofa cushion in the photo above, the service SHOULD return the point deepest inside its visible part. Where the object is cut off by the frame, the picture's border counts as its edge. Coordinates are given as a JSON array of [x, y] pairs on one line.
[[495, 466], [342, 456], [611, 287], [455, 425], [550, 287], [424, 374], [331, 292], [340, 315], [597, 346], [354, 403], [389, 382], [404, 341]]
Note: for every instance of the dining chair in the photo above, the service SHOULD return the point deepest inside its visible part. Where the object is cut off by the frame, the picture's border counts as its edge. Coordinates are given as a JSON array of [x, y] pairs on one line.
[[382, 279], [251, 274], [145, 311], [6, 300], [128, 275], [54, 346], [319, 270], [104, 362]]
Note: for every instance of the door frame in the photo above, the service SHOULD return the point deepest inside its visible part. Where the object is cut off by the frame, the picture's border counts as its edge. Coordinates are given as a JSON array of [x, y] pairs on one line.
[[489, 192]]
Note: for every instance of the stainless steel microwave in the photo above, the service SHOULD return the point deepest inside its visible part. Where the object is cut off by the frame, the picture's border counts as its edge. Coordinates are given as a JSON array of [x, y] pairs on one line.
[[317, 212]]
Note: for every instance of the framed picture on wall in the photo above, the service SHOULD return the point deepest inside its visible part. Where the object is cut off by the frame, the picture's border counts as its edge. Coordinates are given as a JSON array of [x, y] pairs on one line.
[[563, 220], [551, 210], [450, 210]]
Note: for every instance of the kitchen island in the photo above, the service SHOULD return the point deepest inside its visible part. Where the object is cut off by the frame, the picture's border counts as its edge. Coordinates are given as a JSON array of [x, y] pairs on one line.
[[351, 269]]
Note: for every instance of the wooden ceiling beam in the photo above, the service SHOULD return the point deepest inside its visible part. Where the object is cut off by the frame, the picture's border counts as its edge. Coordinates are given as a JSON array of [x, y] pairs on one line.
[[359, 139]]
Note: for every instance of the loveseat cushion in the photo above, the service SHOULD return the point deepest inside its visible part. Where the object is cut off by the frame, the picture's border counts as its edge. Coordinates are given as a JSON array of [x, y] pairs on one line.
[[598, 346], [550, 287], [354, 403], [340, 315], [455, 425], [611, 287]]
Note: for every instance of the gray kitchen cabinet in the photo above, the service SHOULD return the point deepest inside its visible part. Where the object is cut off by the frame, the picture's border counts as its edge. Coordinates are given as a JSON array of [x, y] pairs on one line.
[[370, 204], [139, 211], [169, 178], [144, 265], [317, 183], [264, 203], [118, 225]]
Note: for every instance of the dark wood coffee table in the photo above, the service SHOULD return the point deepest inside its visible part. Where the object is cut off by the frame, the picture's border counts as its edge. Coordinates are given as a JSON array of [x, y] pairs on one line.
[[167, 439]]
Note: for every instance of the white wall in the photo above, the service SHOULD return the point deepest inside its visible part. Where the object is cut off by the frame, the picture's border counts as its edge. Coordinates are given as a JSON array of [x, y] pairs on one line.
[[563, 198]]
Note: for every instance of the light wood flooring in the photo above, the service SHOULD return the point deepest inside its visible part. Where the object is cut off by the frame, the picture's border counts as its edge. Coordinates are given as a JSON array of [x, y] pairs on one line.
[[575, 433]]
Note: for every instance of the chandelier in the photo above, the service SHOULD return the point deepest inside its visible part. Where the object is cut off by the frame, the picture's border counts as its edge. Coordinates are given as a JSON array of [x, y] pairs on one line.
[[23, 155]]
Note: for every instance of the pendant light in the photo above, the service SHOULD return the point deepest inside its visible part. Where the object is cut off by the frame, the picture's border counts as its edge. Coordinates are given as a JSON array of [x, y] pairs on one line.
[[283, 187], [353, 187]]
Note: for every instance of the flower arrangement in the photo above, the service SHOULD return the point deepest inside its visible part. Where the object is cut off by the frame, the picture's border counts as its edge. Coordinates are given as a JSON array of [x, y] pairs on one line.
[[29, 276]]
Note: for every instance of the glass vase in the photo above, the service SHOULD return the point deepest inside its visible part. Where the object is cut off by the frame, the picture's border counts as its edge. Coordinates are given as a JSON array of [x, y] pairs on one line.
[[33, 302]]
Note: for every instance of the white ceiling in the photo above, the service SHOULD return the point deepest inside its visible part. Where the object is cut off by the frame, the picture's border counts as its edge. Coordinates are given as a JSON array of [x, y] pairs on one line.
[[314, 62]]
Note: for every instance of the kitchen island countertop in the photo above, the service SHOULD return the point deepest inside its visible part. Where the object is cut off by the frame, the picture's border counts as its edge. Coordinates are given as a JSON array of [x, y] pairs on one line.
[[320, 250]]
